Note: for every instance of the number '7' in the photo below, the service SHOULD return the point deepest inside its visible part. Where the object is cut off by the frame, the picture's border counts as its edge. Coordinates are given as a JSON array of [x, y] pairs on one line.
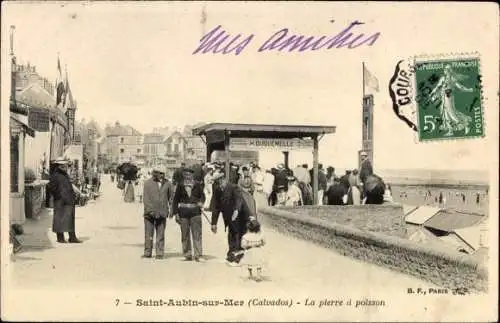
[[117, 301]]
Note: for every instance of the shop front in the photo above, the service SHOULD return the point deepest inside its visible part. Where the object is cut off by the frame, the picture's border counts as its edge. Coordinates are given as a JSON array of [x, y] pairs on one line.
[[19, 129]]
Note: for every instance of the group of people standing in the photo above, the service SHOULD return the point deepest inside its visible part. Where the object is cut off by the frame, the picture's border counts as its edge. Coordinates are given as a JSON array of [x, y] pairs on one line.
[[192, 193]]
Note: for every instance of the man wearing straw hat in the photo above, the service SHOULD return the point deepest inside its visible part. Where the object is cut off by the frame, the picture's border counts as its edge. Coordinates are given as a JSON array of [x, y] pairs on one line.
[[62, 191], [157, 193]]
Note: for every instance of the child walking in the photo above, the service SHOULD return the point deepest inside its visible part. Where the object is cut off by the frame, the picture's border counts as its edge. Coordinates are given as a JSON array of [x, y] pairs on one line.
[[253, 242]]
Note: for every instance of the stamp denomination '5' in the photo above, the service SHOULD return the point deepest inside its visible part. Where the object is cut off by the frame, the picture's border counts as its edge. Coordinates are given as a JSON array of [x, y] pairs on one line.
[[448, 98]]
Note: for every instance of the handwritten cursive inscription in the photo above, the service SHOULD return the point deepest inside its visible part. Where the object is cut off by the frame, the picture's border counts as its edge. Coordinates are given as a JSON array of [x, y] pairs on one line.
[[218, 41]]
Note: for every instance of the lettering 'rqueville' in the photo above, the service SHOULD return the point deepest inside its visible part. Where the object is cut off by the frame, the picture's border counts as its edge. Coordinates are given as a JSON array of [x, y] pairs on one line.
[[218, 41]]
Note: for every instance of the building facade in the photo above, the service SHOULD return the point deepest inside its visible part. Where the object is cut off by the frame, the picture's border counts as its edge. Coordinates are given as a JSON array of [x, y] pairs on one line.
[[175, 150], [154, 149], [124, 143]]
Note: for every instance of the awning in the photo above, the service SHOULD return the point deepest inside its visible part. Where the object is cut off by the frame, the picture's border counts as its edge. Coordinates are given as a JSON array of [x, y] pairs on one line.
[[27, 129]]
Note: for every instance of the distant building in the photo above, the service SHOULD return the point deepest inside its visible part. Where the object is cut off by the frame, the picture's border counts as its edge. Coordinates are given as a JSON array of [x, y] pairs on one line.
[[459, 231], [51, 124], [175, 150], [154, 149], [124, 143]]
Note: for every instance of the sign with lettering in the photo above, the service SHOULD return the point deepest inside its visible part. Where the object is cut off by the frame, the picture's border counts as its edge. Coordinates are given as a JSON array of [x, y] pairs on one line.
[[238, 144]]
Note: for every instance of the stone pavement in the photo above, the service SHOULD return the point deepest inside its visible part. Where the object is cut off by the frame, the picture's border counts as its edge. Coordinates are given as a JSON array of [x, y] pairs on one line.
[[113, 237]]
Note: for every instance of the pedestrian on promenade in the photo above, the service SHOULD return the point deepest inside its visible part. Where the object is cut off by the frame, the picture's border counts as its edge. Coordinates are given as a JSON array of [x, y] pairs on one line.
[[157, 194], [253, 243], [61, 189], [294, 194], [187, 206], [139, 186], [245, 182], [229, 201], [207, 189]]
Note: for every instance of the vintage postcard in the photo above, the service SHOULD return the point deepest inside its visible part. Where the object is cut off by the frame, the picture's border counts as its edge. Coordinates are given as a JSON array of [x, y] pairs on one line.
[[249, 161]]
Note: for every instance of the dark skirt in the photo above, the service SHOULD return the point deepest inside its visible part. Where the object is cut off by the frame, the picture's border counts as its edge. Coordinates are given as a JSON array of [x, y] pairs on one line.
[[129, 193], [64, 217]]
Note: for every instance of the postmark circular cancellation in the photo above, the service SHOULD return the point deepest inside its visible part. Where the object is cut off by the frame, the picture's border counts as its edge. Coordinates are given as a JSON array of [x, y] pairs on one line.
[[439, 96]]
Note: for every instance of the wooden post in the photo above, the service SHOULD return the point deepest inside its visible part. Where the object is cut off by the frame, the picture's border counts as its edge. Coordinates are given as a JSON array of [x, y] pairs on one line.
[[209, 151], [227, 135], [286, 155], [315, 171]]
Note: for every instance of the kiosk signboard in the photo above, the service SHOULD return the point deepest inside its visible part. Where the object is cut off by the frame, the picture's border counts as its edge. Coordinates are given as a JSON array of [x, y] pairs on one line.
[[258, 144]]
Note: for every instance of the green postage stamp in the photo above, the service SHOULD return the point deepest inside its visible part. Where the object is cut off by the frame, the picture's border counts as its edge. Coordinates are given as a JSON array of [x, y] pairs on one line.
[[448, 98]]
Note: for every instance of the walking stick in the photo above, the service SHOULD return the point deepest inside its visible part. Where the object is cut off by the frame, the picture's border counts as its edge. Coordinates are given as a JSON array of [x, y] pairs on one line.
[[206, 217]]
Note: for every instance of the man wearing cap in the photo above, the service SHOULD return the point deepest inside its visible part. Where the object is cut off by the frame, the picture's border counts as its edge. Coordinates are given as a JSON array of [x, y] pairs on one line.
[[157, 193], [62, 191], [187, 207], [229, 201]]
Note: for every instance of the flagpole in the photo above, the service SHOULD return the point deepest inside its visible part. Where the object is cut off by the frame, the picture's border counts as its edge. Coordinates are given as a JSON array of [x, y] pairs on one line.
[[363, 80]]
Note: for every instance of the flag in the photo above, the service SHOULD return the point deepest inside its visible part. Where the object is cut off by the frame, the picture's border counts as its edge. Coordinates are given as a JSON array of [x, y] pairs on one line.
[[67, 99], [370, 81], [60, 87]]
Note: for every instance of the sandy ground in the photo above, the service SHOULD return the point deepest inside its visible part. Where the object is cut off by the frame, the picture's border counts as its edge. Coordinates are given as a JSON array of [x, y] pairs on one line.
[[415, 195]]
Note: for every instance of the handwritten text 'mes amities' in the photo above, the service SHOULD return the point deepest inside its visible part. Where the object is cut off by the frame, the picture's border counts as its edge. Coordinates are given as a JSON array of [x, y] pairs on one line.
[[217, 41]]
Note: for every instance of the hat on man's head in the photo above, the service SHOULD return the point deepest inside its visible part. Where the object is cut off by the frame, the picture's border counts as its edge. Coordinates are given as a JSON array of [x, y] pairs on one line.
[[281, 166], [61, 161], [218, 175], [158, 169], [364, 153]]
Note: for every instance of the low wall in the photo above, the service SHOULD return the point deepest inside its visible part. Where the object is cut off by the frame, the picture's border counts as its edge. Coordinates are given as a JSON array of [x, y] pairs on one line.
[[387, 219], [442, 268]]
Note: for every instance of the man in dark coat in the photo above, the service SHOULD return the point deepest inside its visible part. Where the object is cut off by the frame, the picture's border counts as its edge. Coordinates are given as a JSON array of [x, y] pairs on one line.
[[229, 201], [157, 194], [178, 175], [61, 189], [187, 207], [374, 189], [335, 193]]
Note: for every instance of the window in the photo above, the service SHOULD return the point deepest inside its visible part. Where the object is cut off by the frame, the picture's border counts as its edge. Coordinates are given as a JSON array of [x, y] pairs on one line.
[[14, 164], [121, 140], [122, 151], [138, 151], [176, 148]]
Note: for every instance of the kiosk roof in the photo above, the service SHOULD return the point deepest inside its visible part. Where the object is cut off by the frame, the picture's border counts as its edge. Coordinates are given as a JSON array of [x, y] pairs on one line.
[[271, 131]]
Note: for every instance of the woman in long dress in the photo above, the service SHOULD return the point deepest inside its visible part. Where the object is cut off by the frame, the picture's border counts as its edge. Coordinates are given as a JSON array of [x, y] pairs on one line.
[[139, 187]]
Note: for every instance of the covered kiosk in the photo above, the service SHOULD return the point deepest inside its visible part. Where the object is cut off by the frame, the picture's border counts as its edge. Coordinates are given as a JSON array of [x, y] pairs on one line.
[[233, 137]]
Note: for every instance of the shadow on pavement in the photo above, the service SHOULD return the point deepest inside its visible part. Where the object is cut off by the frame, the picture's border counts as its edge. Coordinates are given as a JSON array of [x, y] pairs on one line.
[[264, 279], [120, 228], [135, 245], [36, 234]]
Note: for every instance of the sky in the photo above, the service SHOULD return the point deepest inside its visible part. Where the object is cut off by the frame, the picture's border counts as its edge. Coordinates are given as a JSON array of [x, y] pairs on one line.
[[133, 62]]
